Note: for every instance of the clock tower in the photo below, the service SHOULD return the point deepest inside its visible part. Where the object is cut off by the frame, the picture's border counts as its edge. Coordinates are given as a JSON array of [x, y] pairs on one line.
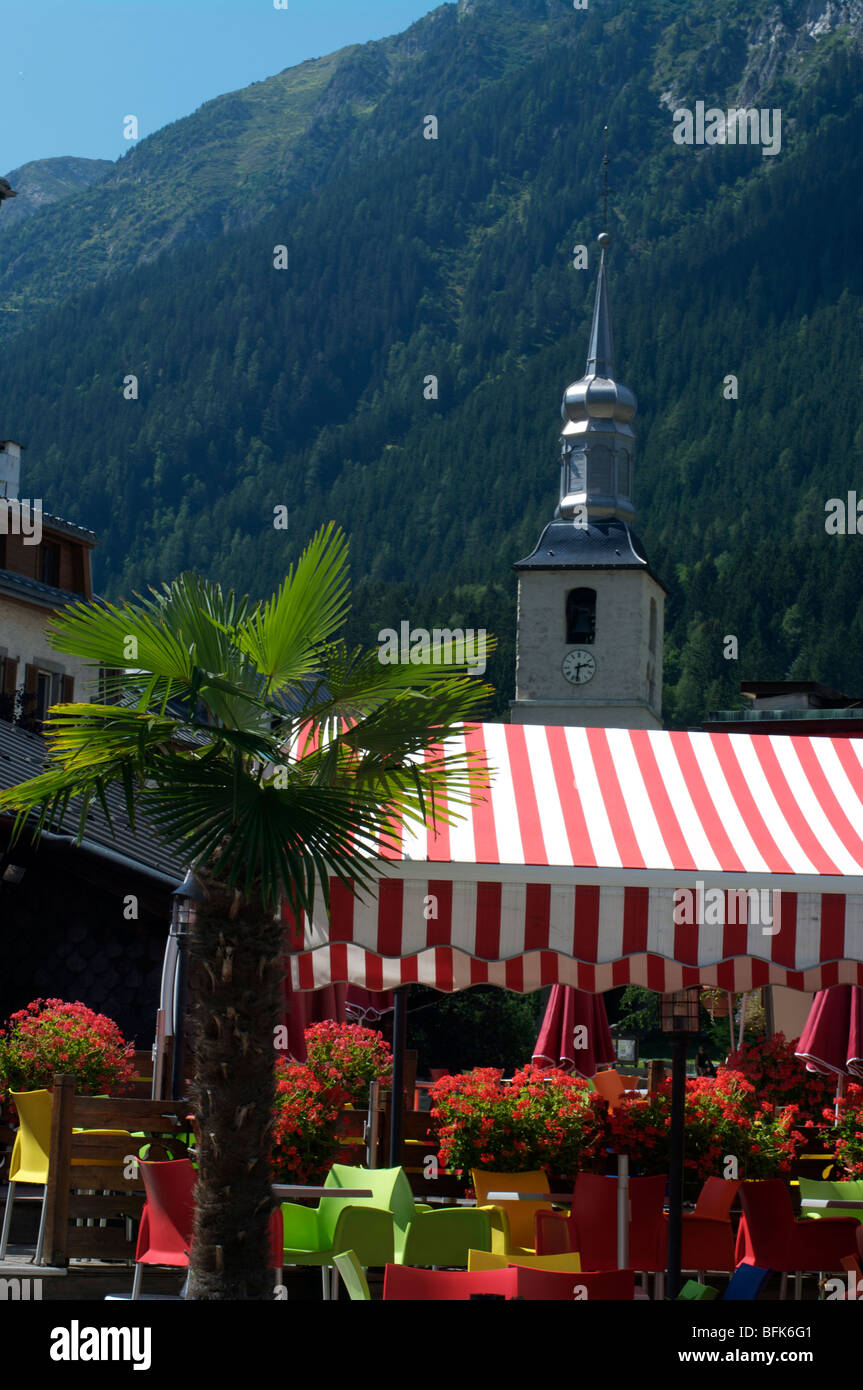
[[590, 611]]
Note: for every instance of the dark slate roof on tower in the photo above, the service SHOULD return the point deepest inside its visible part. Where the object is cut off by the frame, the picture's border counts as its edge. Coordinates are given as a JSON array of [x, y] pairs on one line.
[[606, 543]]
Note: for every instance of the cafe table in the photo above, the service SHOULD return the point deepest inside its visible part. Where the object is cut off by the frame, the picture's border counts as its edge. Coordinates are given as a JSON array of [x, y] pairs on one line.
[[529, 1196], [286, 1192], [844, 1203]]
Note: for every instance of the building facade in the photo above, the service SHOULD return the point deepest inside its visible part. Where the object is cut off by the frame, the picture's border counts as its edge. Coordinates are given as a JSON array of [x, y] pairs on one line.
[[45, 564]]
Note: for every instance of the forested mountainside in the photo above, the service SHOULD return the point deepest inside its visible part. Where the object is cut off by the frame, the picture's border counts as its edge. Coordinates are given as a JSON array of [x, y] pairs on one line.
[[410, 258], [43, 182]]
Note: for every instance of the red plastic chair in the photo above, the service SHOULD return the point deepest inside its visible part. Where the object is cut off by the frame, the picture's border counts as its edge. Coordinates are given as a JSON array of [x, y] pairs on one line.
[[167, 1221], [165, 1232], [708, 1235], [403, 1283], [770, 1236], [591, 1229], [610, 1285]]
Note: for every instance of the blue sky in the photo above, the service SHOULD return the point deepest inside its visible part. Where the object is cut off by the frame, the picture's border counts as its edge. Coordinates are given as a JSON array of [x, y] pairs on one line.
[[74, 68]]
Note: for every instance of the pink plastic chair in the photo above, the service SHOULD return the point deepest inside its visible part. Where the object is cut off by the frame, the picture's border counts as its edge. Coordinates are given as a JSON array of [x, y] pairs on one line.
[[167, 1221], [403, 1283]]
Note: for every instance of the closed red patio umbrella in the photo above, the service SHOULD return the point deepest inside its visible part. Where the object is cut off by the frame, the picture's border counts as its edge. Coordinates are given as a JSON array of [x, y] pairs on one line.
[[832, 1041], [366, 1006], [575, 1035]]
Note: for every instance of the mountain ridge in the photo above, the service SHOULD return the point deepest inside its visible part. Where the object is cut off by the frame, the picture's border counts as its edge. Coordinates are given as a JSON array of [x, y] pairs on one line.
[[40, 182], [453, 258]]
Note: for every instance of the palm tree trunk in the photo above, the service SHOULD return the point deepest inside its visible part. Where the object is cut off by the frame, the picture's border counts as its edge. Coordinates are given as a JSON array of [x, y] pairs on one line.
[[235, 978]]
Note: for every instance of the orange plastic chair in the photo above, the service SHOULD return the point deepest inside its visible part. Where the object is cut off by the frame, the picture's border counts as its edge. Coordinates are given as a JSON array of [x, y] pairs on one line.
[[609, 1084], [30, 1161], [512, 1223]]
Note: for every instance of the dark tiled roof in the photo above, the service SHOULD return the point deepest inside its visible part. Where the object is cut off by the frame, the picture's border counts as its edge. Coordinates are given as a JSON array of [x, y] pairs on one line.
[[69, 528], [22, 756], [19, 586]]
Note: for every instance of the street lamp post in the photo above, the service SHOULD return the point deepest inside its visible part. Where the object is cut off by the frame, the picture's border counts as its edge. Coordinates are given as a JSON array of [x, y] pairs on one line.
[[680, 1020], [182, 915]]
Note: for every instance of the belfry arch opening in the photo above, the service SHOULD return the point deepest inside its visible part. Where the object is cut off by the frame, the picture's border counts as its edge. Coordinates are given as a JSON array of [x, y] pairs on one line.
[[581, 616]]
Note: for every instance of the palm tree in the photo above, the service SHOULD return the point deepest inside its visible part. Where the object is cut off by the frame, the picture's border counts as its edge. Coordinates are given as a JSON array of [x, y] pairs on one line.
[[271, 758]]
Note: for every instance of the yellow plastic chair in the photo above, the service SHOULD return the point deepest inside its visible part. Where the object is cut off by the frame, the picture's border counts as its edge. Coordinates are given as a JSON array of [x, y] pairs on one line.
[[30, 1162], [486, 1259], [512, 1223]]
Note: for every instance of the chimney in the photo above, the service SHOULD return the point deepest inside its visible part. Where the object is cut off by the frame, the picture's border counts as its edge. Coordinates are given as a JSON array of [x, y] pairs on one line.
[[10, 468]]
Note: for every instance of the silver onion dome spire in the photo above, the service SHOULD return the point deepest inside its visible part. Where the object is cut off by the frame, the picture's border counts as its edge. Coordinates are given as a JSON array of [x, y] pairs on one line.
[[597, 440], [600, 356]]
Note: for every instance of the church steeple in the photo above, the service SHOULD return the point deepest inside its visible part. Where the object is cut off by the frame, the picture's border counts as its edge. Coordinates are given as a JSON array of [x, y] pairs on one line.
[[590, 611], [597, 440]]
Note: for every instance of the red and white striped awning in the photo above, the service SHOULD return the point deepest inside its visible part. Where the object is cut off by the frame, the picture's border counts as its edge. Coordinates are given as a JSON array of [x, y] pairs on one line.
[[571, 867]]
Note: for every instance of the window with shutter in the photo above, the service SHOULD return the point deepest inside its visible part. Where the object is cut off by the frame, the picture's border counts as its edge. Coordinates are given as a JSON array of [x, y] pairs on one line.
[[50, 564], [8, 677], [28, 714]]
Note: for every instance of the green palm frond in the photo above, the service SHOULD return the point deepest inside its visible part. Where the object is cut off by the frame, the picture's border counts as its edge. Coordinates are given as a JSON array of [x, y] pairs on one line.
[[258, 746], [354, 683], [105, 634], [252, 834], [284, 637]]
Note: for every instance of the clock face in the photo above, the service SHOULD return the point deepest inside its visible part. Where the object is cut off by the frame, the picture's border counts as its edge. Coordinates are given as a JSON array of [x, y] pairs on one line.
[[579, 666]]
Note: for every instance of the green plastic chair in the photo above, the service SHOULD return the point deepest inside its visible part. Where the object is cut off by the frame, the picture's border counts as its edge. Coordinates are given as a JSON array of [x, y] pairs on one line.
[[692, 1292], [423, 1235], [353, 1276], [386, 1228], [315, 1235], [846, 1191]]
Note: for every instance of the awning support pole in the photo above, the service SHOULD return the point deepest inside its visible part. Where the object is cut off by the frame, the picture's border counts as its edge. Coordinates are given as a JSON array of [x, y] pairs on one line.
[[675, 1163], [372, 1126], [400, 1034], [623, 1211]]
